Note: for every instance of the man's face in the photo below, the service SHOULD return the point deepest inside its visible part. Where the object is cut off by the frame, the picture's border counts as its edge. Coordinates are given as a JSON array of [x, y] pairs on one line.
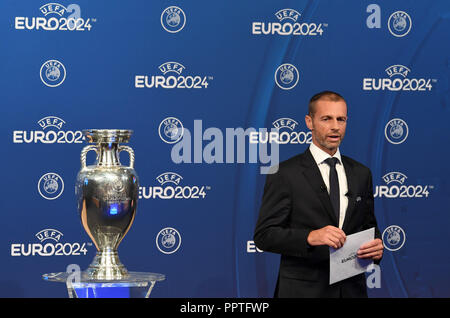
[[328, 124]]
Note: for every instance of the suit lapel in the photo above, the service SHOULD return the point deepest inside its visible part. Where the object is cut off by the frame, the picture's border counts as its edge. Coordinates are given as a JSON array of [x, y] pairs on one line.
[[351, 182], [312, 174]]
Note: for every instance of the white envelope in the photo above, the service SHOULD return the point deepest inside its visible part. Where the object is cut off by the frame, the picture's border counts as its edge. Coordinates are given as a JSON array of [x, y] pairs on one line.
[[344, 262]]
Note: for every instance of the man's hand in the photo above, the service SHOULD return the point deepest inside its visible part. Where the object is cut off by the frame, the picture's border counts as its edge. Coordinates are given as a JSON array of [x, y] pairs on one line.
[[328, 235], [373, 250]]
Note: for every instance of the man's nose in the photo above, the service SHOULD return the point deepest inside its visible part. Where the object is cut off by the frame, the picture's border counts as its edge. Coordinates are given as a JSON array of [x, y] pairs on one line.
[[335, 124]]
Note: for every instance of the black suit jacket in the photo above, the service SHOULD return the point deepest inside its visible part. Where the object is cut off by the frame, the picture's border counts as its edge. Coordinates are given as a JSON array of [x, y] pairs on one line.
[[295, 202]]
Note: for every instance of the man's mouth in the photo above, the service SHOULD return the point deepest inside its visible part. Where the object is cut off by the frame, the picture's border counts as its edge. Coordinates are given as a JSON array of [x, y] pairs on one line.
[[334, 137]]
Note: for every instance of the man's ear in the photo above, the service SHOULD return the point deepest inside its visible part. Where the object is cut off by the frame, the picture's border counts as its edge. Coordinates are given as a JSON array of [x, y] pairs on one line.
[[308, 122]]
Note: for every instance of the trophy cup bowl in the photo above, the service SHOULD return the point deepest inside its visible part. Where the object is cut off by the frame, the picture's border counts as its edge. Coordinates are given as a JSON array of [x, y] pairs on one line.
[[107, 194]]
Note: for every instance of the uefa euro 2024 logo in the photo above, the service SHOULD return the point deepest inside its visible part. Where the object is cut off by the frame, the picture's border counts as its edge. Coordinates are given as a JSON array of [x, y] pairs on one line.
[[49, 245], [398, 80], [170, 188], [284, 131], [56, 17], [172, 77], [396, 187], [288, 24], [52, 133]]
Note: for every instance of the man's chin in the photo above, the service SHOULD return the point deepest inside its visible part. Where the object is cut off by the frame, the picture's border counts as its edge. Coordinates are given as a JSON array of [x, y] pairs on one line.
[[329, 147], [332, 147]]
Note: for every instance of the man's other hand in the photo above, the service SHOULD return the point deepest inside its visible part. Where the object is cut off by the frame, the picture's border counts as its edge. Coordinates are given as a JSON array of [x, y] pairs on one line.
[[328, 235]]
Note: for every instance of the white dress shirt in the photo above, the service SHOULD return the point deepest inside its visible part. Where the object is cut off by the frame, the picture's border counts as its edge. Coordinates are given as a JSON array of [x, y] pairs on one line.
[[320, 156]]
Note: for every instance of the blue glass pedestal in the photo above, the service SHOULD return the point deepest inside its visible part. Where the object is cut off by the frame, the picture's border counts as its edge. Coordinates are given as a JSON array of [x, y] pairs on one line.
[[80, 285]]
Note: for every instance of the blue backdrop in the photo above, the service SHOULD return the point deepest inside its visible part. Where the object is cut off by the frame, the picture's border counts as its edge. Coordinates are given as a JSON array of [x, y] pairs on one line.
[[211, 67]]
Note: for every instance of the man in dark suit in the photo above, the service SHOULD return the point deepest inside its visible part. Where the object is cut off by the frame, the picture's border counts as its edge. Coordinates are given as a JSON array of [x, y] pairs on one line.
[[312, 202]]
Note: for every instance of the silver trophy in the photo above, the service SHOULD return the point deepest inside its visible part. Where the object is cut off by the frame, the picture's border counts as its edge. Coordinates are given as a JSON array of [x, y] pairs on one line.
[[107, 195]]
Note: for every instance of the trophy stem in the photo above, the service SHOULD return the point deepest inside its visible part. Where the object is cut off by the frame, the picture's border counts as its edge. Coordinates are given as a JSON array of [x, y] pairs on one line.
[[107, 266], [108, 154]]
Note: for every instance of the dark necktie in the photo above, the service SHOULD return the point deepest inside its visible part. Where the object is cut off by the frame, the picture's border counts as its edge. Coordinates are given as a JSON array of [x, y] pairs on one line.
[[334, 186]]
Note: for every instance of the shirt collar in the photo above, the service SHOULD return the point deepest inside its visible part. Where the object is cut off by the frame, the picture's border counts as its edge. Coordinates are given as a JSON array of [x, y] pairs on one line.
[[320, 156]]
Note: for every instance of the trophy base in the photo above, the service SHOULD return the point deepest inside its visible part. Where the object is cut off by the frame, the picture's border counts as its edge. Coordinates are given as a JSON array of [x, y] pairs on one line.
[[107, 266], [81, 285]]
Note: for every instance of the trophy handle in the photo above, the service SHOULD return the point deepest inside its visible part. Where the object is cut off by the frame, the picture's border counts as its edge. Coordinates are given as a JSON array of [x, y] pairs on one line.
[[130, 152], [84, 152]]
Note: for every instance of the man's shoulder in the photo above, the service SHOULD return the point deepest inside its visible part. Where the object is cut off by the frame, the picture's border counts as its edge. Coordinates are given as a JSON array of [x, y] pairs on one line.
[[292, 161], [288, 165], [355, 164]]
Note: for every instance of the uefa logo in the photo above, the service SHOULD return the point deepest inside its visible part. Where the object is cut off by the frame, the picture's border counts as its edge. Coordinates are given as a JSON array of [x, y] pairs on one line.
[[52, 73], [50, 186], [396, 131], [399, 24], [170, 130], [393, 238], [173, 19], [286, 76], [168, 240]]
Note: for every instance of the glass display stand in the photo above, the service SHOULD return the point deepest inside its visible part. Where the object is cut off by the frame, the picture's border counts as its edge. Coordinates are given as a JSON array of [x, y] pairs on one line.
[[133, 285]]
